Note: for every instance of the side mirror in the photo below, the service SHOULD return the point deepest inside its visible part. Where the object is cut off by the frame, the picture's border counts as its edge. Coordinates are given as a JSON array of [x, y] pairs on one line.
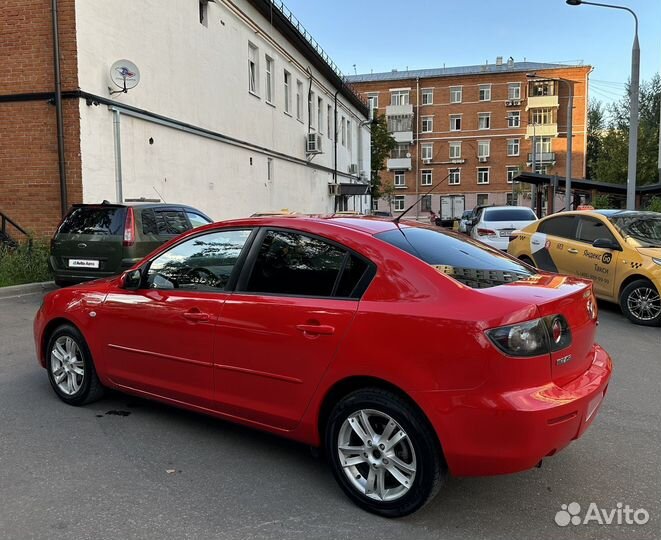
[[131, 280], [606, 243]]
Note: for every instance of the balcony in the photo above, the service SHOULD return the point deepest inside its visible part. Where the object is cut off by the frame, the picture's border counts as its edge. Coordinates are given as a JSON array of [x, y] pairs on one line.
[[399, 163], [541, 130], [399, 110], [542, 158], [536, 102], [403, 136]]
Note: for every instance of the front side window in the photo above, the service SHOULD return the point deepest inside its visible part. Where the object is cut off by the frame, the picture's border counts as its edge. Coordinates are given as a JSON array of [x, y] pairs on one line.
[[203, 263], [290, 263], [589, 229], [196, 219]]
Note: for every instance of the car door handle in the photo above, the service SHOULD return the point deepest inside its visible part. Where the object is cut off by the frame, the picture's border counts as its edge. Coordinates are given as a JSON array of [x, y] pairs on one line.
[[196, 315], [319, 329], [572, 251]]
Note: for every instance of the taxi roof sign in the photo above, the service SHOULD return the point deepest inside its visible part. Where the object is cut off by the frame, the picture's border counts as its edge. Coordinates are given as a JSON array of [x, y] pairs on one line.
[[585, 207]]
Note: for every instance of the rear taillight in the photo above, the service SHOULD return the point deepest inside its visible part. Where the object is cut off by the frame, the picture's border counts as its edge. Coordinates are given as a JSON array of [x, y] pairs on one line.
[[532, 338], [129, 228], [486, 232]]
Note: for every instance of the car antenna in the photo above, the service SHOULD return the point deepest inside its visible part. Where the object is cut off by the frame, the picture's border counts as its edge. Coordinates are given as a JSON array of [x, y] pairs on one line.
[[396, 220]]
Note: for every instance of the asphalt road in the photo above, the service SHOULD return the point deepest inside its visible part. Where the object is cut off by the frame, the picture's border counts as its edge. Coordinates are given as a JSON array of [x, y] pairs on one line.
[[87, 473]]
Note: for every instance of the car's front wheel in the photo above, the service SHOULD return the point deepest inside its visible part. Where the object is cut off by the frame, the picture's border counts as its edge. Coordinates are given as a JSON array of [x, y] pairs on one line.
[[383, 453], [70, 367], [641, 303]]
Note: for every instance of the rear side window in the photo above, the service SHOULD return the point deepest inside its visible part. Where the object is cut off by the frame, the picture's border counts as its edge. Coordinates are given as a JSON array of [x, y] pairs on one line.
[[461, 258], [509, 214], [290, 263], [562, 226], [164, 222], [94, 220]]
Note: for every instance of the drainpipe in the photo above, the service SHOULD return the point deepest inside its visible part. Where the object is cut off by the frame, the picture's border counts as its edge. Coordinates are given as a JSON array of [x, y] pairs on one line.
[[335, 148], [64, 204], [116, 124]]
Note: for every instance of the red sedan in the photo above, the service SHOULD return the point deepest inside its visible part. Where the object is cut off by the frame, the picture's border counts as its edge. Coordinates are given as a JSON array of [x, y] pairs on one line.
[[405, 351]]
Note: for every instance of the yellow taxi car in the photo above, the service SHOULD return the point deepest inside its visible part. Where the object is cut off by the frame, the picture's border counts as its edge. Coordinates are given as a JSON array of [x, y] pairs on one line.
[[619, 250]]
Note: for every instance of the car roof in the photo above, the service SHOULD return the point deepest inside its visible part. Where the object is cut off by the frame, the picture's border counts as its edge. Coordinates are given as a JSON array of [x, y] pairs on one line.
[[133, 204], [498, 208]]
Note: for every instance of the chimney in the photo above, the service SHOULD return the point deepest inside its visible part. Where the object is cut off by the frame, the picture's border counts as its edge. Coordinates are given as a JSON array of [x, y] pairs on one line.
[[499, 60]]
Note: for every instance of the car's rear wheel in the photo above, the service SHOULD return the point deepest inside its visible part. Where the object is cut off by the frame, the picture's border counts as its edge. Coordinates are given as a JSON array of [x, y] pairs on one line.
[[641, 303], [383, 452], [70, 367]]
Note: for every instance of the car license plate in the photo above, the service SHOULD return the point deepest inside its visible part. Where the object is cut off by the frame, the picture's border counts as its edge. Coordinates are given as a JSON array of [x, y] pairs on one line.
[[593, 406], [506, 232], [83, 263]]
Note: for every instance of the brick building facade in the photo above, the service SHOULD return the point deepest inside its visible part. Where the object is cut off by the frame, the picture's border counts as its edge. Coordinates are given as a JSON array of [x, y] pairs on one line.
[[468, 131]]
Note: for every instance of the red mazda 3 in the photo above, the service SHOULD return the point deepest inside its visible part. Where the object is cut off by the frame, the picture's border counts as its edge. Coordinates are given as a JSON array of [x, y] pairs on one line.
[[405, 351]]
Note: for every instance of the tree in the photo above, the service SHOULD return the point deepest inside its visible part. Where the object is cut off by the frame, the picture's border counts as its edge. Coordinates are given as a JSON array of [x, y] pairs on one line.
[[596, 124], [610, 164], [382, 143]]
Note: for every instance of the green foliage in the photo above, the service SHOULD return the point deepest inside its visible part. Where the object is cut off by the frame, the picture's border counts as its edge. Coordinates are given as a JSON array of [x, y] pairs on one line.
[[25, 264], [654, 204], [608, 142], [602, 201], [382, 143]]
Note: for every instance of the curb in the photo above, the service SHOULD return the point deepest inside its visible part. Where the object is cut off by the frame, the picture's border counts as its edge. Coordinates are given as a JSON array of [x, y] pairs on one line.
[[29, 288]]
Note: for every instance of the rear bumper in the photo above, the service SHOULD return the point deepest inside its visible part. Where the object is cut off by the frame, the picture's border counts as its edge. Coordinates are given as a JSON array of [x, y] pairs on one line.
[[484, 434], [76, 276]]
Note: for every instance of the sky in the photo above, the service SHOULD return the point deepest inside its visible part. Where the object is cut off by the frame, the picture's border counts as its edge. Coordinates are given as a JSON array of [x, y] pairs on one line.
[[381, 35]]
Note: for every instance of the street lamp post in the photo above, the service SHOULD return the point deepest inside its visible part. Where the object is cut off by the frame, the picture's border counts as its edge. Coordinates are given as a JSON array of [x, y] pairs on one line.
[[633, 106], [570, 134]]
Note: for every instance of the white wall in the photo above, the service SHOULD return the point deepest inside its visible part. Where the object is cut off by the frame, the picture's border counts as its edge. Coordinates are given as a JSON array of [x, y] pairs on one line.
[[199, 75]]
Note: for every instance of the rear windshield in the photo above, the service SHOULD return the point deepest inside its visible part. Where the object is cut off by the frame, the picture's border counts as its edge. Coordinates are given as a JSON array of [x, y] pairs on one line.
[[94, 220], [460, 257], [509, 214]]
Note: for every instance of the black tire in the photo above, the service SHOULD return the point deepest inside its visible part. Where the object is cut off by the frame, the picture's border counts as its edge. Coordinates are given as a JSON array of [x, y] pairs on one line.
[[632, 294], [89, 388], [62, 282], [430, 466]]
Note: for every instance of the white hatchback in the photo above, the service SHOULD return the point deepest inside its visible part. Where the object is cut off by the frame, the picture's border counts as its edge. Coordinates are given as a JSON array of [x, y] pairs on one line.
[[494, 224]]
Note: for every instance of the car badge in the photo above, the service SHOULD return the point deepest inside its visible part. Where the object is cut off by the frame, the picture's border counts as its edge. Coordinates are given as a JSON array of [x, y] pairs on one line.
[[82, 245], [562, 361]]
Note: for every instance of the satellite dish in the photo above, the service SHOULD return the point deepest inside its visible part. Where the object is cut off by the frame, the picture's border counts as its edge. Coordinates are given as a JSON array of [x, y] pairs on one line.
[[125, 75]]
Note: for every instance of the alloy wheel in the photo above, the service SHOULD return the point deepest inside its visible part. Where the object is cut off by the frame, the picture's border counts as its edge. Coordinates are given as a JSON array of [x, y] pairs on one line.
[[67, 365], [644, 303], [377, 455]]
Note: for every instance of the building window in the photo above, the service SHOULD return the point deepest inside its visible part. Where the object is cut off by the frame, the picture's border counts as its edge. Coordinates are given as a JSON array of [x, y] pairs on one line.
[[400, 123], [483, 120], [287, 92], [483, 175], [400, 179], [454, 177], [375, 204], [344, 131], [514, 91], [513, 119], [427, 151], [330, 124], [399, 203], [269, 169], [542, 145], [455, 150], [541, 88], [482, 199], [400, 151], [253, 68], [425, 203], [483, 149], [542, 116], [269, 79], [510, 199], [311, 103], [427, 124], [204, 12], [349, 135], [455, 94], [485, 92], [373, 103], [426, 177], [512, 172], [455, 122], [513, 146], [320, 114], [299, 100], [427, 96], [399, 97]]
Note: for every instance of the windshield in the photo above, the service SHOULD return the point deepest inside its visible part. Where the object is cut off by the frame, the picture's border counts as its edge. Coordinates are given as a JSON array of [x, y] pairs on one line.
[[509, 214], [643, 227], [460, 257]]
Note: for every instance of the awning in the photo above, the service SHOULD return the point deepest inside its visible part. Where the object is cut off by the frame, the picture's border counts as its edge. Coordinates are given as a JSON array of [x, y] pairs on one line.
[[353, 189], [584, 185]]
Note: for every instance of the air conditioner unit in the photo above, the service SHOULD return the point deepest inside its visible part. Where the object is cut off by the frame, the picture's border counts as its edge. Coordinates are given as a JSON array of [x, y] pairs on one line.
[[353, 169], [426, 161], [313, 143], [334, 189], [483, 159]]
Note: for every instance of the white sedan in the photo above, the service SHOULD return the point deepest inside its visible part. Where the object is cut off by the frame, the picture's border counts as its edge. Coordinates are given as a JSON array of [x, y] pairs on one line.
[[494, 224]]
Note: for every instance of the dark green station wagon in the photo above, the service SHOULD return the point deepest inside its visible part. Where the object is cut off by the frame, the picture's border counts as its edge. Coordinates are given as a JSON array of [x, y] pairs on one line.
[[99, 240]]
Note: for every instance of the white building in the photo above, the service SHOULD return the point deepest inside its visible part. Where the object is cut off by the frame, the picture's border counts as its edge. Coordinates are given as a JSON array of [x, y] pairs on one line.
[[229, 94]]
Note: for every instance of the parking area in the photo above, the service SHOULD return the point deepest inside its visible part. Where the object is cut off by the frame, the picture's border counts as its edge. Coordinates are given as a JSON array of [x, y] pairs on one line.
[[127, 468]]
